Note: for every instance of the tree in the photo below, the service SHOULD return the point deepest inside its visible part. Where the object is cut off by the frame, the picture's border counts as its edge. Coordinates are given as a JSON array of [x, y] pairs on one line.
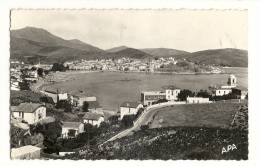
[[127, 121], [25, 85], [85, 106], [65, 105], [40, 72], [203, 93], [58, 67], [182, 96]]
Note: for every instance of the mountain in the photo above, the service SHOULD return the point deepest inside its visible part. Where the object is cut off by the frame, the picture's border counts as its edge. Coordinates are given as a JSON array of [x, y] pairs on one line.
[[42, 36], [164, 52], [224, 57], [129, 53], [32, 44], [116, 49]]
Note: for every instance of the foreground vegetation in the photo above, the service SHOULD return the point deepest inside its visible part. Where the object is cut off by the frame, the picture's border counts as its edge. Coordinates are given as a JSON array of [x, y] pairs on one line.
[[177, 143]]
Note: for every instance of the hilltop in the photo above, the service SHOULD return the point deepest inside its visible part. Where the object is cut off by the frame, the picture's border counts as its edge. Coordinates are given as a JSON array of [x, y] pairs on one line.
[[224, 57], [165, 52], [116, 49], [32, 44]]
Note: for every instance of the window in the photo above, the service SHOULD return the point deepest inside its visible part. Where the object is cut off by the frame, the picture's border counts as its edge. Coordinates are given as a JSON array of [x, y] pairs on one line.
[[72, 133]]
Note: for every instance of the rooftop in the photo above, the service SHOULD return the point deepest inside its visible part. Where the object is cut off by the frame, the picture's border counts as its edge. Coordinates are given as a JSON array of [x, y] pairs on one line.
[[72, 125], [26, 107], [153, 93], [92, 116], [130, 104], [16, 152]]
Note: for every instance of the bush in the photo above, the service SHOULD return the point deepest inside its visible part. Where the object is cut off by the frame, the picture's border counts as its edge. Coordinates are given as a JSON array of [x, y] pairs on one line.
[[127, 121], [182, 96], [144, 127], [65, 105], [58, 67]]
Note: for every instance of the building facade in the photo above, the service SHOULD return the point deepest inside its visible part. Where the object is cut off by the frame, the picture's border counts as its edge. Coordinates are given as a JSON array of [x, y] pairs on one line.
[[71, 129], [223, 91], [93, 118], [148, 97], [197, 100], [172, 94], [29, 112], [129, 108]]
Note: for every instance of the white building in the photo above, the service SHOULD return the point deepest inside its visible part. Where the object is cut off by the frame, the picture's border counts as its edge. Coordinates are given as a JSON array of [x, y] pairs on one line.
[[197, 100], [15, 85], [56, 95], [62, 96], [79, 99], [148, 97], [129, 108], [26, 152], [231, 83], [223, 91], [71, 129], [172, 94], [93, 118], [29, 112]]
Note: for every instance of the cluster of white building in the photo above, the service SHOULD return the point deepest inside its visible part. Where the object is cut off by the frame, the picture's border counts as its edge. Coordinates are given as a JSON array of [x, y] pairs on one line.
[[122, 64]]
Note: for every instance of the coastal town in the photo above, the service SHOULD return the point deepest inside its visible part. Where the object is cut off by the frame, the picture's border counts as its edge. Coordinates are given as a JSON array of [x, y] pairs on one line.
[[128, 84], [79, 115]]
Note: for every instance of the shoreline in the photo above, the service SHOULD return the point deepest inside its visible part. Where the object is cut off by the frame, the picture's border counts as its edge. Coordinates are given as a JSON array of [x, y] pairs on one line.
[[57, 77]]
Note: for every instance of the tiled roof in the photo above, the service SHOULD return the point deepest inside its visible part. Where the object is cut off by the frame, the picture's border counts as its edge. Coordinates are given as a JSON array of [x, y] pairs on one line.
[[73, 125], [130, 104], [26, 107], [92, 116], [93, 104]]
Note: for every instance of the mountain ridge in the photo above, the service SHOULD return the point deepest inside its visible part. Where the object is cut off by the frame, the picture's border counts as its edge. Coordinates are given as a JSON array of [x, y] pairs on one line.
[[31, 44]]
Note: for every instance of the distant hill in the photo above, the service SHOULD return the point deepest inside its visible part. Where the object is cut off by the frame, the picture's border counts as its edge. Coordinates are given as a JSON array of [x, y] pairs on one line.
[[35, 44], [32, 44], [224, 57], [43, 36], [129, 53], [164, 52], [116, 49]]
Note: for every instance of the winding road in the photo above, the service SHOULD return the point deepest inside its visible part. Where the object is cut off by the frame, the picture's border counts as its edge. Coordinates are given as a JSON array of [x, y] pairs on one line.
[[144, 119]]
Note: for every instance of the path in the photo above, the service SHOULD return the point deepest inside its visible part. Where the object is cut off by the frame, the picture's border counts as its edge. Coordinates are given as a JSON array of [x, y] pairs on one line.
[[144, 119]]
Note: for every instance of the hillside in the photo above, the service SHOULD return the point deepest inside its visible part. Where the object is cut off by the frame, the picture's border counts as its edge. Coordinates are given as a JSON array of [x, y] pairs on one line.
[[164, 52], [223, 57], [116, 49], [129, 53], [33, 44]]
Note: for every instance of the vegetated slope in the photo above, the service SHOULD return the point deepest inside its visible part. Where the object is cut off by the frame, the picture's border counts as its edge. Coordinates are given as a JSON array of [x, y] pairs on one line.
[[43, 36], [221, 57], [165, 52], [116, 49], [129, 53], [33, 44]]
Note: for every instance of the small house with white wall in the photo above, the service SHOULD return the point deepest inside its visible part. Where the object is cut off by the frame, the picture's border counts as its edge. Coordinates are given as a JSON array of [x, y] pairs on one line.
[[223, 91], [94, 119], [71, 129], [197, 100], [129, 108], [29, 112], [78, 99], [172, 94]]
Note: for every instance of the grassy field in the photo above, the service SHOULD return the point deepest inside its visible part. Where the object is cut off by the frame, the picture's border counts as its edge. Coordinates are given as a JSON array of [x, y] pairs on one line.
[[209, 115]]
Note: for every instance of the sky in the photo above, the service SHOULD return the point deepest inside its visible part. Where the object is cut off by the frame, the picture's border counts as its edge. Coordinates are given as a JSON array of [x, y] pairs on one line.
[[188, 30]]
